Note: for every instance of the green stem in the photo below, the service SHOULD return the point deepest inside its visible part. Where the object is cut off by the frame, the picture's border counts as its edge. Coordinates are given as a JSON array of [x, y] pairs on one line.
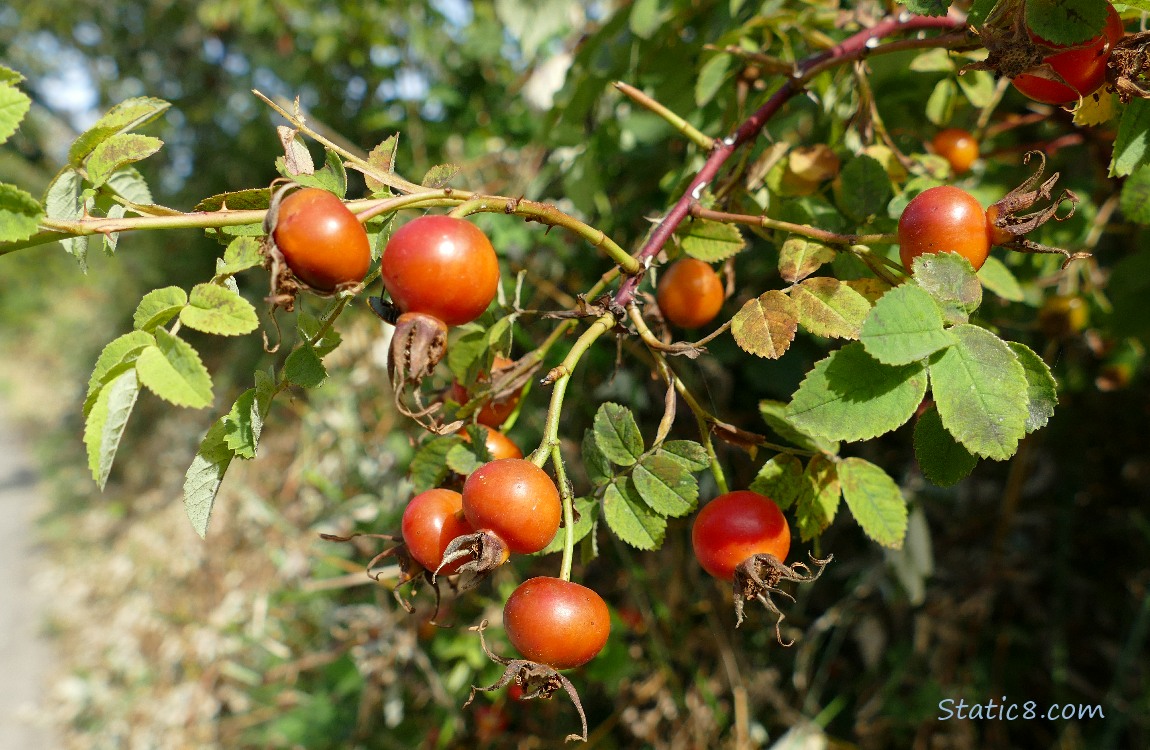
[[703, 420], [548, 214], [814, 233], [560, 376], [198, 220], [471, 206], [568, 513], [700, 139]]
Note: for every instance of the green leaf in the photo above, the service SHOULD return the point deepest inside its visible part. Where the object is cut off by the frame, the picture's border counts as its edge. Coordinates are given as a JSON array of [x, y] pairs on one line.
[[220, 311], [440, 175], [852, 396], [629, 517], [14, 104], [533, 24], [1128, 288], [710, 241], [244, 423], [933, 61], [127, 115], [597, 466], [979, 10], [382, 157], [498, 336], [871, 289], [119, 151], [996, 277], [1132, 145], [800, 257], [978, 87], [158, 307], [8, 75], [203, 478], [63, 201], [466, 352], [711, 77], [106, 420], [20, 214], [687, 452], [327, 179], [941, 103], [1041, 389], [865, 188], [308, 326], [464, 459], [1135, 198], [828, 307], [666, 485], [304, 367], [172, 370], [378, 233], [981, 392], [617, 434], [129, 184], [775, 415], [818, 499], [766, 326], [942, 459], [586, 510], [781, 479], [927, 7], [950, 279], [117, 356], [874, 500], [1066, 21], [253, 199], [334, 174], [428, 466], [242, 253], [646, 18], [904, 326]]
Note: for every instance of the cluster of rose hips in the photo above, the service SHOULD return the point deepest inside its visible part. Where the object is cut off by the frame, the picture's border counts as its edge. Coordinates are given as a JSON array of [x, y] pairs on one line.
[[949, 219], [442, 271]]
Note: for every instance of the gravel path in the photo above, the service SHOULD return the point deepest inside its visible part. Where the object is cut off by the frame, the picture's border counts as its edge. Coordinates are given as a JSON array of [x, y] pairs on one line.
[[25, 655]]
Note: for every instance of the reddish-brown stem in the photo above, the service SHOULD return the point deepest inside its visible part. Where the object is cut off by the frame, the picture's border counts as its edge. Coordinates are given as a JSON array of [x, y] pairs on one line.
[[853, 47]]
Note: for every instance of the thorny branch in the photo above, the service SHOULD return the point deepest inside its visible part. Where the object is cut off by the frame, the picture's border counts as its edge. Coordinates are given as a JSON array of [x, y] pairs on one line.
[[854, 47]]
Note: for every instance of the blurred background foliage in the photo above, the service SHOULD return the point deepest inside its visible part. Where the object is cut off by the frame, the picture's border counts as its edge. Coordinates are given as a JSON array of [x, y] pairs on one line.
[[1027, 580]]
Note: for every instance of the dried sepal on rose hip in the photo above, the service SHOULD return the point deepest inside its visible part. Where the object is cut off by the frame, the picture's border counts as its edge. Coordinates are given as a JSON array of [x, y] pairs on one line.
[[313, 243], [1129, 65], [418, 344], [410, 571], [535, 681], [744, 538], [430, 521], [759, 576], [1011, 217]]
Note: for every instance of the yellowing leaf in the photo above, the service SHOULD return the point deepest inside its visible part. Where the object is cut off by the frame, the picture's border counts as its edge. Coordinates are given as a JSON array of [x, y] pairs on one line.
[[766, 325]]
